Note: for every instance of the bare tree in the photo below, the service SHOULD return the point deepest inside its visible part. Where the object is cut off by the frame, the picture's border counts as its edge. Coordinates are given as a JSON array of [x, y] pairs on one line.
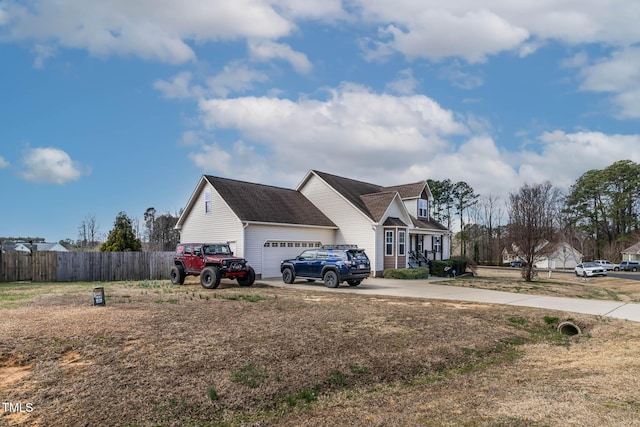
[[464, 197], [532, 221], [491, 215], [88, 233]]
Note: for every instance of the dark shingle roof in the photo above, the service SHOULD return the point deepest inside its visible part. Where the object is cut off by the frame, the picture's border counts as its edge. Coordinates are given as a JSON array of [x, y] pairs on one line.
[[371, 198], [430, 224], [377, 203], [394, 222], [264, 203], [408, 191]]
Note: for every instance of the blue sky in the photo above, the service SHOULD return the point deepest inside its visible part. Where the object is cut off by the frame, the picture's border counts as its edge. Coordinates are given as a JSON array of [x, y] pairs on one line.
[[123, 105]]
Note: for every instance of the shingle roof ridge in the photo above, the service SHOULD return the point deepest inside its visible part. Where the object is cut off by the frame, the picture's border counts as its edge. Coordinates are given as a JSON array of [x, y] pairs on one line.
[[239, 181], [345, 178]]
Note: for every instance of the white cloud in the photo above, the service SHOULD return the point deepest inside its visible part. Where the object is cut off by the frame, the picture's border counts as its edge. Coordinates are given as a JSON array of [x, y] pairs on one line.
[[3, 163], [178, 88], [619, 75], [460, 78], [265, 50], [474, 29], [562, 158], [354, 129], [151, 29], [389, 139], [405, 84], [213, 158], [50, 165], [234, 78]]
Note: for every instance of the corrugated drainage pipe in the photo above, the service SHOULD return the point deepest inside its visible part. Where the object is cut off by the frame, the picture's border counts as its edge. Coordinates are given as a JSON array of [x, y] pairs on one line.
[[569, 328]]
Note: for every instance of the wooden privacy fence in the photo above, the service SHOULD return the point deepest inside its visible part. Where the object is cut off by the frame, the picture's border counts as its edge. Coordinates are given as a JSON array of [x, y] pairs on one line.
[[84, 266]]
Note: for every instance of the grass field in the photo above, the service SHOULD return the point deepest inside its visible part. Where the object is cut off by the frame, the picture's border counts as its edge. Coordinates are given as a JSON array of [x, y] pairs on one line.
[[158, 354]]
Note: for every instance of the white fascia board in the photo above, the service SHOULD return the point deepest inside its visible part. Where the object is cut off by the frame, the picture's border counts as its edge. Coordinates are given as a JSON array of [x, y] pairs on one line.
[[404, 208], [190, 202]]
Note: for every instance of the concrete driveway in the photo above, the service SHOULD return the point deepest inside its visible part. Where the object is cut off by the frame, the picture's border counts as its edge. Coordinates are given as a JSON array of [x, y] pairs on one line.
[[436, 289]]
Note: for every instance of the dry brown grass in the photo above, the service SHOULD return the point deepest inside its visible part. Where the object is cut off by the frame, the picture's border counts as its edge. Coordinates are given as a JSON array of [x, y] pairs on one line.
[[157, 355], [559, 284]]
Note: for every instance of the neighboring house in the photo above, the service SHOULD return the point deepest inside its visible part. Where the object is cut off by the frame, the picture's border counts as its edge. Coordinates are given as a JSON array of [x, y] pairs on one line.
[[562, 255], [20, 247], [267, 224], [53, 247], [632, 253], [509, 256]]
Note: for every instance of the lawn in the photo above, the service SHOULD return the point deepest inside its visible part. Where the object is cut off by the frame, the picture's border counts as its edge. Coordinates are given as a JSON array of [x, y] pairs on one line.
[[168, 355]]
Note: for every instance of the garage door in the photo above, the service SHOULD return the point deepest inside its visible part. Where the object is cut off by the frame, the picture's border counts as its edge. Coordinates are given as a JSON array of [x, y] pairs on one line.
[[274, 251]]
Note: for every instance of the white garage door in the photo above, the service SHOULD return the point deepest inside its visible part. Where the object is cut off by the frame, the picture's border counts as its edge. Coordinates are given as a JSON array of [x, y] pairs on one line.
[[274, 251]]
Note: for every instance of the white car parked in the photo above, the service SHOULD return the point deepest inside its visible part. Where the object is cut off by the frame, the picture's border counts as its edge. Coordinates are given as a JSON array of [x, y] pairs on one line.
[[590, 269], [608, 265]]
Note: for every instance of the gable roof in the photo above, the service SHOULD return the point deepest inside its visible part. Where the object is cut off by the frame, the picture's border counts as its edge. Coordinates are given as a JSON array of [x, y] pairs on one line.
[[408, 191], [370, 198], [268, 204], [350, 189], [633, 249], [378, 203]]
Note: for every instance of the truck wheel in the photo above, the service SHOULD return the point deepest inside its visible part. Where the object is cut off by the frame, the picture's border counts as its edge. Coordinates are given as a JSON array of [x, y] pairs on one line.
[[177, 275], [288, 276], [331, 279], [248, 279], [354, 282], [210, 278]]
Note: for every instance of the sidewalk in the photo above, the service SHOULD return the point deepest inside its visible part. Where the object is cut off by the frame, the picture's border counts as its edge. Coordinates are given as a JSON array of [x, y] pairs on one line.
[[430, 289]]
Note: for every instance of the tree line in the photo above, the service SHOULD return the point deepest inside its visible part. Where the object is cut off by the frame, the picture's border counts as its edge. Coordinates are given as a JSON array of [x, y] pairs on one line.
[[599, 215], [156, 234]]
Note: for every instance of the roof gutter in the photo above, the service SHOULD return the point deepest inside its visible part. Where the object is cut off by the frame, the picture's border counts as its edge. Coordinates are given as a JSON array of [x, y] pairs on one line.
[[276, 224]]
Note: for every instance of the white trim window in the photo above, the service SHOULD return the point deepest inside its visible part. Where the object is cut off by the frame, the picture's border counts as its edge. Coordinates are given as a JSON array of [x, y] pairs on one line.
[[423, 208], [402, 243], [207, 202], [388, 243], [437, 244]]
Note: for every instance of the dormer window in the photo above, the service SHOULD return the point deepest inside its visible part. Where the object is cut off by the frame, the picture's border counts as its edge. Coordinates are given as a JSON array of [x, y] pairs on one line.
[[423, 208]]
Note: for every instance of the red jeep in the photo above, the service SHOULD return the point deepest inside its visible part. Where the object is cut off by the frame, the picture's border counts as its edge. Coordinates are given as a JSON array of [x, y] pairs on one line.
[[210, 261]]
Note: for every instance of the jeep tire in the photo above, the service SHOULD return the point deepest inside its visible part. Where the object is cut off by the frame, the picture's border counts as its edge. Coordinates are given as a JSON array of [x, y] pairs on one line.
[[177, 275], [330, 279], [248, 279], [210, 277], [288, 276]]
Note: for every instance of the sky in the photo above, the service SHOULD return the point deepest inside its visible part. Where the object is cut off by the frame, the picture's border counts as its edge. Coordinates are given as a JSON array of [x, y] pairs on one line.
[[123, 105]]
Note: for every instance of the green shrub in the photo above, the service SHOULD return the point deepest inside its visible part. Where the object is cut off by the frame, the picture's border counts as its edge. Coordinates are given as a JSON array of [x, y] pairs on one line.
[[438, 267], [406, 273]]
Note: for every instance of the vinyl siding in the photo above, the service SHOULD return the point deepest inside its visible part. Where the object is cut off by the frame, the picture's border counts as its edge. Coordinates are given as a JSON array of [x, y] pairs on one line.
[[220, 225], [257, 234], [412, 206], [354, 226]]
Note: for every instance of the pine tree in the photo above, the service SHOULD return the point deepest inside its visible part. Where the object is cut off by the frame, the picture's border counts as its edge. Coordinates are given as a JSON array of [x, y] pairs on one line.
[[121, 237]]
